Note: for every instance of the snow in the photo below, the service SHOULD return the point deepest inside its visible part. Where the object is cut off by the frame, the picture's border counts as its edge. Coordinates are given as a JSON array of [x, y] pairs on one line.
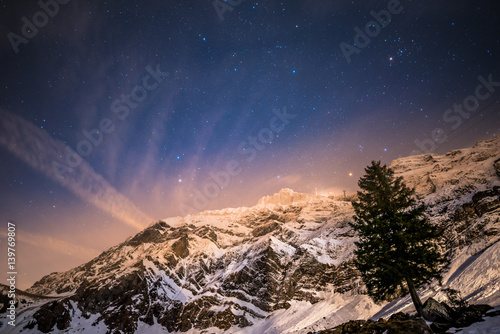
[[169, 288], [234, 266], [247, 305], [80, 324], [156, 328], [282, 248], [329, 249], [199, 245], [303, 317], [490, 325], [479, 279]]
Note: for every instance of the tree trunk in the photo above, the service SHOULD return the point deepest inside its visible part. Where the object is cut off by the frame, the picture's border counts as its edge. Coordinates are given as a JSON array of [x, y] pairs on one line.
[[415, 298]]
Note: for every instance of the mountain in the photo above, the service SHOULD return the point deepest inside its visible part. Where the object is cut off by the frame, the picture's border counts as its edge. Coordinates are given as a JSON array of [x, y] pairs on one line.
[[282, 266], [24, 302]]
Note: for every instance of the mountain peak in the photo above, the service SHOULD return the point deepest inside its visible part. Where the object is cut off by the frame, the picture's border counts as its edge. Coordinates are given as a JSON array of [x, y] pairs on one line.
[[285, 196]]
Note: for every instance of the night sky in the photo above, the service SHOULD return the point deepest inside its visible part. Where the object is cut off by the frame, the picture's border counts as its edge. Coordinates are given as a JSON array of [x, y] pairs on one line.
[[114, 114]]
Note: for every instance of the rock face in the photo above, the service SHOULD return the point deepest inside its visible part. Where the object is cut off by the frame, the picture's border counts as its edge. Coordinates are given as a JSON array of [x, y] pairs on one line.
[[285, 196], [437, 312], [285, 265], [462, 190], [445, 317], [397, 324]]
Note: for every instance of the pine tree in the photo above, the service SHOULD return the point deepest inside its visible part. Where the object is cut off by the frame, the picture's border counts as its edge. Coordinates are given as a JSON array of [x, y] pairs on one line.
[[397, 250]]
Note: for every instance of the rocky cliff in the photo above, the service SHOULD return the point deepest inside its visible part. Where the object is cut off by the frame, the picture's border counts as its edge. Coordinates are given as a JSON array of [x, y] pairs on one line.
[[285, 196]]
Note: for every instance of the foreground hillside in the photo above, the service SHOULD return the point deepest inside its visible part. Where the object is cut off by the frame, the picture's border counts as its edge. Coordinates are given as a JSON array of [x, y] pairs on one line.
[[282, 266]]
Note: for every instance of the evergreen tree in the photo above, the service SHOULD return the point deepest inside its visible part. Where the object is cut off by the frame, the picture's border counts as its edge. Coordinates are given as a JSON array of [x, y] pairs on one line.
[[397, 250]]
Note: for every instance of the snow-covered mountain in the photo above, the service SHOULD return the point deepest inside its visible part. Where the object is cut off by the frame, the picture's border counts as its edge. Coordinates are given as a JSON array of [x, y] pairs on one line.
[[282, 266]]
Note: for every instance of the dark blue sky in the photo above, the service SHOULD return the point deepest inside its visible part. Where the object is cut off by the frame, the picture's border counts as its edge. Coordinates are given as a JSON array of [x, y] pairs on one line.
[[258, 101]]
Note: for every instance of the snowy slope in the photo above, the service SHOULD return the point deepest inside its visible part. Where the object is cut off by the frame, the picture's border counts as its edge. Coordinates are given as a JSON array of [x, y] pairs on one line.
[[282, 266], [26, 305], [489, 325]]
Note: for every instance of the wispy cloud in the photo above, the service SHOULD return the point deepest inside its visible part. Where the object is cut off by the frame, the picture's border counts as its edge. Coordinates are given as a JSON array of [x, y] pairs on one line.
[[38, 149], [56, 245]]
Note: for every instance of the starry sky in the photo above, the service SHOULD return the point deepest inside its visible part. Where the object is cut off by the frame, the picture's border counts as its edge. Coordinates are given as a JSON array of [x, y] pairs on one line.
[[114, 114]]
